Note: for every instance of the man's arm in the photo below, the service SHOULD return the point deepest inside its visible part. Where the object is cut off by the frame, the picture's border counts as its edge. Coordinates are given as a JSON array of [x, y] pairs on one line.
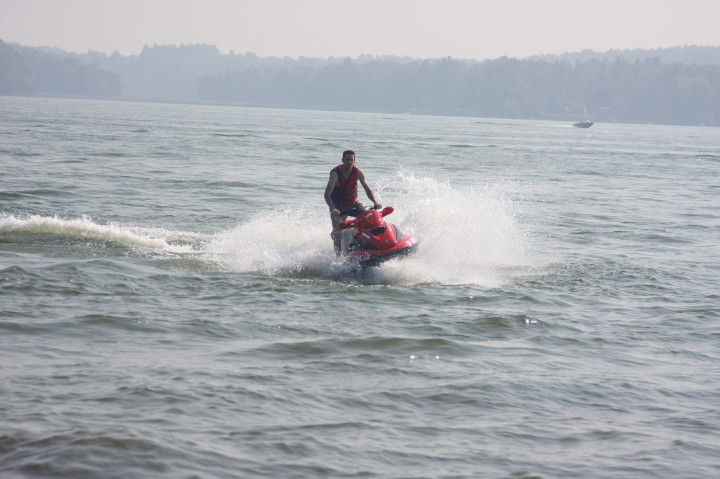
[[328, 192], [366, 187]]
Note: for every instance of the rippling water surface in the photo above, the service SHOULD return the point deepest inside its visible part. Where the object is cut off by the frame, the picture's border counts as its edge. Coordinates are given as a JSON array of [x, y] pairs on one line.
[[170, 305]]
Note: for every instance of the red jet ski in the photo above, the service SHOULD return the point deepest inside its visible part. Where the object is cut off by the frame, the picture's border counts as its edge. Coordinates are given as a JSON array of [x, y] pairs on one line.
[[369, 240]]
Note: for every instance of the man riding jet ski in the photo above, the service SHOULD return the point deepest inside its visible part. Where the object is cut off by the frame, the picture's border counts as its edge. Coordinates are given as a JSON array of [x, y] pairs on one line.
[[341, 194]]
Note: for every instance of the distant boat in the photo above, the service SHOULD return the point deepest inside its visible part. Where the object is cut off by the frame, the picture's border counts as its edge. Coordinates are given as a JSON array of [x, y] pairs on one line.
[[583, 124]]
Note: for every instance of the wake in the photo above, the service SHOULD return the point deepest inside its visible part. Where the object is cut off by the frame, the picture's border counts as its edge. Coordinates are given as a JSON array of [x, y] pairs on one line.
[[474, 234]]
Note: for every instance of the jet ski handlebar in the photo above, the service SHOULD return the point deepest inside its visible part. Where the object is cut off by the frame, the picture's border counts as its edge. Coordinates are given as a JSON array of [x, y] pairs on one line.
[[354, 222]]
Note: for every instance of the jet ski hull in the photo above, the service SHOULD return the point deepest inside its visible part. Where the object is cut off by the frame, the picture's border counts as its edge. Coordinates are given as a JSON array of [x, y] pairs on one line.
[[369, 240], [374, 257]]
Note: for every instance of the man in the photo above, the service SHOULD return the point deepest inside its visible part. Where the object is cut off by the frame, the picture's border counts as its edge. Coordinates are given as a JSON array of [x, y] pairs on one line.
[[341, 194]]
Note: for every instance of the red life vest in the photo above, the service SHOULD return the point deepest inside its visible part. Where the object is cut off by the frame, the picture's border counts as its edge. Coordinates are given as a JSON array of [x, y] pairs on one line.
[[346, 189]]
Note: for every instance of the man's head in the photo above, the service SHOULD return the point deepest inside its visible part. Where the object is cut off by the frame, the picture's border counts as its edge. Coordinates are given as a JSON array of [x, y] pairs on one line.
[[348, 154]]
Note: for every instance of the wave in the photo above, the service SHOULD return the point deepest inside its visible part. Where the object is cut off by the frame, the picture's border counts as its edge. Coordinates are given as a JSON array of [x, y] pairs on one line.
[[235, 135], [473, 234], [85, 228]]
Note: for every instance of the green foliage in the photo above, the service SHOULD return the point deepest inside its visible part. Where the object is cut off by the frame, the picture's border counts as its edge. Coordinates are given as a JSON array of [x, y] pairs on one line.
[[646, 91], [627, 87], [16, 76], [51, 73]]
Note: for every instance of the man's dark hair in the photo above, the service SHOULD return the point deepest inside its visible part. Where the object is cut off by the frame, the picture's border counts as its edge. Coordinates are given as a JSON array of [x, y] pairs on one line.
[[348, 152]]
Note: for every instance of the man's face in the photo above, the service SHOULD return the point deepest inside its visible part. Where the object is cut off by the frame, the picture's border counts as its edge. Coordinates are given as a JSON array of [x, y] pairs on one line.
[[348, 160]]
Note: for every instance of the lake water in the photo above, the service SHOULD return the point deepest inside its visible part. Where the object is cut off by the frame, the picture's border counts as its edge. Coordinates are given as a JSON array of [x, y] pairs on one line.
[[171, 307]]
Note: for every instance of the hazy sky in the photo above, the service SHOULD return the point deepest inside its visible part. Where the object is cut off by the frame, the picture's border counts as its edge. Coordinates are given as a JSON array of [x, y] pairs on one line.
[[479, 29]]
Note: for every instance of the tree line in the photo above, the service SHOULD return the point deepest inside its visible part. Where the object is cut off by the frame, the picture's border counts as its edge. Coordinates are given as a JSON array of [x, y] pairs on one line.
[[619, 87]]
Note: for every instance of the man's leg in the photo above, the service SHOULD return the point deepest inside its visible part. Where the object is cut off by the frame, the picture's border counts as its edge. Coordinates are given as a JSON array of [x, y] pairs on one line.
[[336, 233]]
